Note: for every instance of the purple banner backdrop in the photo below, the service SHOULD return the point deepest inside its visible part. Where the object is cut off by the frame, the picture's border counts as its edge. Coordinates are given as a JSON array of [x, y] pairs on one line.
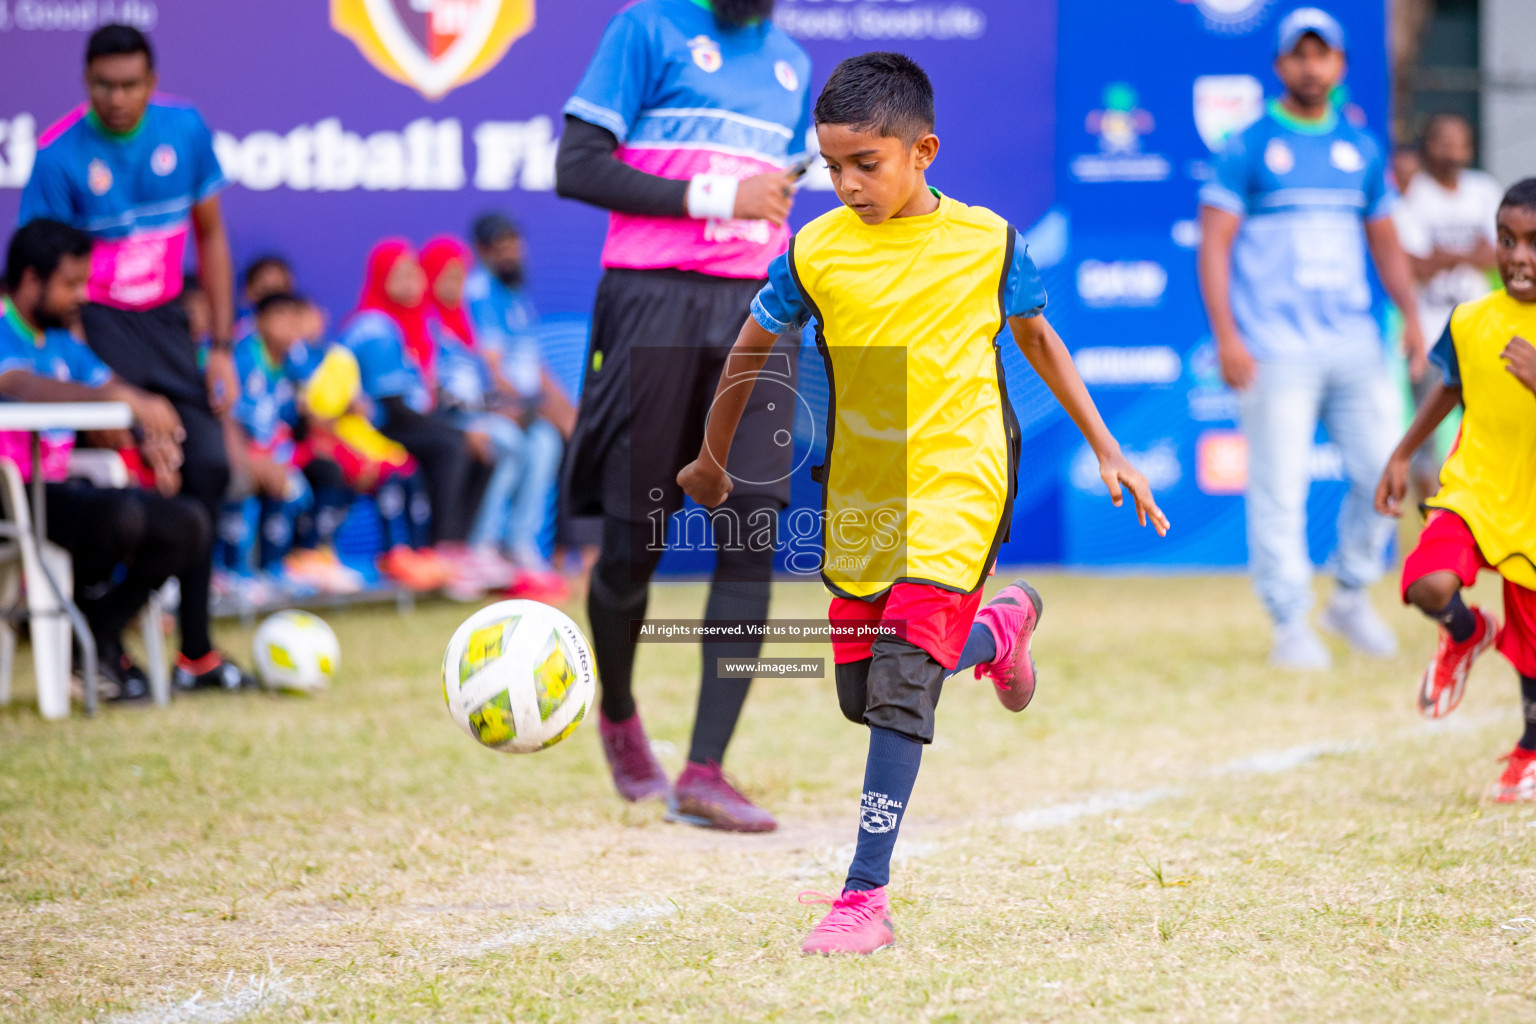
[[342, 121]]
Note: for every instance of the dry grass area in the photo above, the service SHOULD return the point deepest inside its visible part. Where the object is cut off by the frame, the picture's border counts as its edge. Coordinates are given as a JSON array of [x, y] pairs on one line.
[[1172, 832]]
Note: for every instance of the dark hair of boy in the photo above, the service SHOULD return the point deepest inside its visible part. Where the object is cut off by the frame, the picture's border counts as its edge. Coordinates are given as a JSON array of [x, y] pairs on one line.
[[1521, 194], [40, 247], [279, 301], [270, 261], [884, 93], [116, 40]]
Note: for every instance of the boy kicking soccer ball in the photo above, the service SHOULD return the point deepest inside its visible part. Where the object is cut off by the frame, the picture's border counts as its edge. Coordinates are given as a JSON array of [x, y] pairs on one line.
[[910, 291], [1484, 516]]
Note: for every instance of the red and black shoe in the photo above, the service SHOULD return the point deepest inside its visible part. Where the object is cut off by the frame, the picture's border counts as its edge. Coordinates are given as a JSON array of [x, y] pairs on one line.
[[1444, 682], [212, 671], [1518, 783]]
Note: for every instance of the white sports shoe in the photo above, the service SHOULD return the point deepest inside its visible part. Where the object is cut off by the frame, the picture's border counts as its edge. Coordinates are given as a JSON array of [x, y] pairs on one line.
[[1350, 615], [1296, 647]]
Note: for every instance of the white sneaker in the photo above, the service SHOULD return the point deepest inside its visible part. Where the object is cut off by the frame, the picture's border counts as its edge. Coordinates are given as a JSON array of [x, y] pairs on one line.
[[1350, 615], [1296, 647]]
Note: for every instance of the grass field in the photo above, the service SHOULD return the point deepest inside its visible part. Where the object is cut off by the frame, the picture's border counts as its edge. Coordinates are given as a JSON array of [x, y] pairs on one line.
[[1171, 832]]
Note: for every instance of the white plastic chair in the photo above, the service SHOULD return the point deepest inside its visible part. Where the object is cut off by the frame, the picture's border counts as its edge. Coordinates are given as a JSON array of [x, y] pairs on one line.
[[51, 635], [21, 557]]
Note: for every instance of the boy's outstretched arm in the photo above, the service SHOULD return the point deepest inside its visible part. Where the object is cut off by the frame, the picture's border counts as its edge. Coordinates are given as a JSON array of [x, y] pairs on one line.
[[1437, 405], [1047, 353], [705, 479]]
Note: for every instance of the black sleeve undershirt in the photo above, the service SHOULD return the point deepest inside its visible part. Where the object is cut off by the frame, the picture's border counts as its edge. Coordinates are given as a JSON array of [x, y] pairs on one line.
[[586, 169]]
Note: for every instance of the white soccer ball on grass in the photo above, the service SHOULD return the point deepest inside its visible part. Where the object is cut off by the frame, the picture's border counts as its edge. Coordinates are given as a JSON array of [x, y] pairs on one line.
[[296, 652]]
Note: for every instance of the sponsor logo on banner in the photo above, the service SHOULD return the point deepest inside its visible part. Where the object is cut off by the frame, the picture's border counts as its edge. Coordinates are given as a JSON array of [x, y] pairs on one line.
[[879, 19], [434, 46], [18, 150], [1210, 400], [1121, 283], [1151, 364], [706, 53], [1120, 126], [1221, 462], [1158, 462], [77, 15], [1225, 105], [1232, 16]]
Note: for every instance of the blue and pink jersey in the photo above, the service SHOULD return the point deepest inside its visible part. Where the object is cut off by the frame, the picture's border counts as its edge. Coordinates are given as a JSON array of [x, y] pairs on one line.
[[685, 96], [133, 193], [57, 355]]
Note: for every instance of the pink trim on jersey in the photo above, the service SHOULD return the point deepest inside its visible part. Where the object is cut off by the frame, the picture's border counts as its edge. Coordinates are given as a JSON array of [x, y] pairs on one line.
[[140, 271], [16, 445], [721, 248], [62, 125]]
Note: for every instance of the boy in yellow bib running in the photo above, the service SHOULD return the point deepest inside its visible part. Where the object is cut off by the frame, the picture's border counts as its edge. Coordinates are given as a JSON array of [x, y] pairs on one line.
[[910, 291], [1484, 516]]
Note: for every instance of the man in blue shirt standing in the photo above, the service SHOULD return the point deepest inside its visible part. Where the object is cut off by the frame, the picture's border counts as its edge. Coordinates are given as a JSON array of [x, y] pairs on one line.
[[137, 172], [1297, 200]]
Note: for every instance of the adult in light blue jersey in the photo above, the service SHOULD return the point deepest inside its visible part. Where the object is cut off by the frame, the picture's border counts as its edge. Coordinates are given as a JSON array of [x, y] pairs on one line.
[[1296, 201]]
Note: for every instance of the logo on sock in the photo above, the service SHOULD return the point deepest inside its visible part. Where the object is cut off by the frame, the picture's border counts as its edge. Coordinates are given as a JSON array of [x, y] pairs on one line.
[[879, 813]]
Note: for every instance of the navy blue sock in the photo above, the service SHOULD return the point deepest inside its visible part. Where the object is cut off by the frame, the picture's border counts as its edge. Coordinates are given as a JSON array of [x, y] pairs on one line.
[[980, 648], [1528, 705], [889, 775]]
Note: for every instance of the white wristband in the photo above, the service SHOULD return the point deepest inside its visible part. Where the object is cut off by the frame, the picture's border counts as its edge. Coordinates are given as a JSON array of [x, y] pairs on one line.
[[712, 197]]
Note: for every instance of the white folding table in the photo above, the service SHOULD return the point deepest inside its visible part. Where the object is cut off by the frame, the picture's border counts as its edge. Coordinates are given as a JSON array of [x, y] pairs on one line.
[[35, 418]]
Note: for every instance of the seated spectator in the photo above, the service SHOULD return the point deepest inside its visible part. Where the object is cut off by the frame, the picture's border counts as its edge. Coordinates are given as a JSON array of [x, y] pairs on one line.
[[267, 275], [126, 543], [474, 396], [339, 433], [395, 353], [295, 504], [504, 322]]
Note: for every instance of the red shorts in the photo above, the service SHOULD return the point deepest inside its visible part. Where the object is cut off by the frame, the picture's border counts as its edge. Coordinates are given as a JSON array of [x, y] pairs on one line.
[[937, 620], [1447, 545]]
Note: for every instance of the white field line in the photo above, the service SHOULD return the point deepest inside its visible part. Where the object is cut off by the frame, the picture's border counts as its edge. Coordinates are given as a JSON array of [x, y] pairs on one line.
[[261, 992], [272, 990], [602, 919]]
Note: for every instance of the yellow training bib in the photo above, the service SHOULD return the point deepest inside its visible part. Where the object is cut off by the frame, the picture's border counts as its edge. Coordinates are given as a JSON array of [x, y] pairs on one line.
[[922, 450], [1490, 479]]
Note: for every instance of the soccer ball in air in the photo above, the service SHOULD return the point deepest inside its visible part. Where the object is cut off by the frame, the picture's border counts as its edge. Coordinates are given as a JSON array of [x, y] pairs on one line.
[[518, 676], [296, 652]]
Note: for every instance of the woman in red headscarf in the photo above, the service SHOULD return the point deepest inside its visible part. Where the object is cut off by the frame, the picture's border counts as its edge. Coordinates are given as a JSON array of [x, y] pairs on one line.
[[396, 356]]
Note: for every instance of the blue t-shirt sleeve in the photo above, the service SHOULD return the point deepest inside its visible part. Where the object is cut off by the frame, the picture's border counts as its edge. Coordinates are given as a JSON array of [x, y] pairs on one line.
[[1443, 355], [85, 367], [1024, 293], [15, 352], [779, 307], [208, 176], [380, 352], [47, 195], [613, 90], [251, 387], [1380, 197], [1228, 187]]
